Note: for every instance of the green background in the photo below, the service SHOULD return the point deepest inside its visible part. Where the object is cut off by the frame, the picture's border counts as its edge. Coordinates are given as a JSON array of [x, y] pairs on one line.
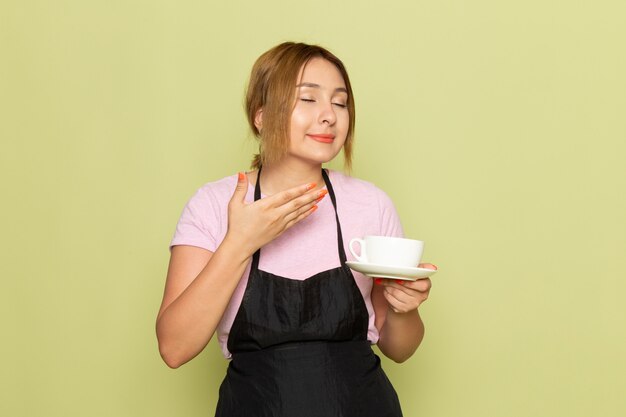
[[498, 128]]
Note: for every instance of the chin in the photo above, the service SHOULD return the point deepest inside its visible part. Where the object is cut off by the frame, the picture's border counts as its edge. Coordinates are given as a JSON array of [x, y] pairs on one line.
[[324, 159], [317, 157]]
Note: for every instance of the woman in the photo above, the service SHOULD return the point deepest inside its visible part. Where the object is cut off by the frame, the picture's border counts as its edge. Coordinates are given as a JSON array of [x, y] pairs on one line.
[[259, 258]]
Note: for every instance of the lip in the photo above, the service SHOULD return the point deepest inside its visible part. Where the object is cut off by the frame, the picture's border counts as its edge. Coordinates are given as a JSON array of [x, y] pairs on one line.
[[322, 137]]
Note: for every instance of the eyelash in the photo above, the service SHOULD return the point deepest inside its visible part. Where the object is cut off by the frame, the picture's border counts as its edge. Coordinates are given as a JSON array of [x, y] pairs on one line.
[[308, 100]]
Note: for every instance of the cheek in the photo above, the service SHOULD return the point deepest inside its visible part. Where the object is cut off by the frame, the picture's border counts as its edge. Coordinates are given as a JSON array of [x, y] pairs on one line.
[[343, 125], [298, 120]]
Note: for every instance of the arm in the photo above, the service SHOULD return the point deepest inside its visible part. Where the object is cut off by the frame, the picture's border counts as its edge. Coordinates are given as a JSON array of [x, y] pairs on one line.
[[198, 288], [200, 283], [400, 326]]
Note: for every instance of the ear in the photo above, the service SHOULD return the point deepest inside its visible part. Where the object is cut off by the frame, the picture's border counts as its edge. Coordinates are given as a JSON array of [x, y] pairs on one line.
[[258, 120]]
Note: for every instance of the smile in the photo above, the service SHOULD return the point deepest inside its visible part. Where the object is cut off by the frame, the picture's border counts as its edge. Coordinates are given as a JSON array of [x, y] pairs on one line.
[[324, 138]]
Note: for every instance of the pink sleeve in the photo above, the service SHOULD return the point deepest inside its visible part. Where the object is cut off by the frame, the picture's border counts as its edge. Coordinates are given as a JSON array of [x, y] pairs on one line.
[[390, 221], [199, 222]]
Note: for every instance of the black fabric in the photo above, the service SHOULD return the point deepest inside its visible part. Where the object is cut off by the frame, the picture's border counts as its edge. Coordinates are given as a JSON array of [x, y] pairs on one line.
[[310, 379], [299, 348]]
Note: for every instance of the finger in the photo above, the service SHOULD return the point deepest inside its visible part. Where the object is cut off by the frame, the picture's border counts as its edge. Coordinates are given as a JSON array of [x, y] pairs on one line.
[[299, 211], [299, 205], [295, 206], [399, 288], [406, 300], [286, 196], [412, 289], [397, 304], [428, 266], [300, 217], [421, 285], [241, 189]]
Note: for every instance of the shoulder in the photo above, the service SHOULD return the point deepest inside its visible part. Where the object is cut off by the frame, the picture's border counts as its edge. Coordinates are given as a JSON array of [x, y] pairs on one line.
[[216, 191], [349, 183], [366, 204], [212, 198], [357, 189], [202, 222], [223, 186]]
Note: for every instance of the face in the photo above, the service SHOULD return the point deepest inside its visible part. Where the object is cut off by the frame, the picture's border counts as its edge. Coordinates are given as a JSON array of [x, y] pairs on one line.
[[320, 119]]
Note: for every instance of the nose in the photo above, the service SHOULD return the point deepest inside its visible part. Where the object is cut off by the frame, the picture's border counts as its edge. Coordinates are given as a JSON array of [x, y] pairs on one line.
[[327, 114]]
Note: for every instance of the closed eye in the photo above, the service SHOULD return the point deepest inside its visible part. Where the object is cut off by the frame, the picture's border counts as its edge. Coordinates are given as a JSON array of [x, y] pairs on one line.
[[310, 100]]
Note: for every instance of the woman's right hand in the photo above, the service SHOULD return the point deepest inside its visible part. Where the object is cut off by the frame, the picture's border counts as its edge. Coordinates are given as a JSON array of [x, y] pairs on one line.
[[252, 225]]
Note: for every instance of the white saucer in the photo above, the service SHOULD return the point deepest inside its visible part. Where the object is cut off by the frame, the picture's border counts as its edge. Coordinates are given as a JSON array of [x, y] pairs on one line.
[[393, 272]]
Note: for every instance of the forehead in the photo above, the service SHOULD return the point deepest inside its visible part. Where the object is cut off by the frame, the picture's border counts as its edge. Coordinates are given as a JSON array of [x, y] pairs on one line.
[[322, 72]]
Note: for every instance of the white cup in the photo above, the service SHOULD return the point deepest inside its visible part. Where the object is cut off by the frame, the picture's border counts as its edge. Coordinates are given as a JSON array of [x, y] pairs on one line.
[[389, 251]]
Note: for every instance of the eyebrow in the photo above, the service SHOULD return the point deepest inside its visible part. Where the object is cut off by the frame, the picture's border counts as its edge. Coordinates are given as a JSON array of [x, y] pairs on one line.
[[313, 85]]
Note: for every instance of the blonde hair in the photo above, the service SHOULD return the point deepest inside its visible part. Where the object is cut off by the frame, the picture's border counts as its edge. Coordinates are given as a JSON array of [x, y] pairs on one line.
[[271, 88]]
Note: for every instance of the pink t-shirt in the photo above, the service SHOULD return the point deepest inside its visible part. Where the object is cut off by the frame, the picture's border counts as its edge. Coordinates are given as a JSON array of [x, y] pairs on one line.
[[305, 249]]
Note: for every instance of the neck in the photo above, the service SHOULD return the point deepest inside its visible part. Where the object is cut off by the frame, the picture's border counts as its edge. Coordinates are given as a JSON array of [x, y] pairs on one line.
[[282, 176]]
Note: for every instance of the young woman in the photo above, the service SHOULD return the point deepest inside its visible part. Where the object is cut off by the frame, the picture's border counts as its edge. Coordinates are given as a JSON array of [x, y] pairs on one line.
[[259, 258]]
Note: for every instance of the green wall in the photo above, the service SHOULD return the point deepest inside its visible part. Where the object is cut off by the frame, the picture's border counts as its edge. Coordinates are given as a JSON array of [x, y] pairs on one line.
[[497, 127]]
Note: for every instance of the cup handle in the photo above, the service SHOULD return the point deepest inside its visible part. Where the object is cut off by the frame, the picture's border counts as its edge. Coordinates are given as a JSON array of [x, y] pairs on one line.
[[362, 257]]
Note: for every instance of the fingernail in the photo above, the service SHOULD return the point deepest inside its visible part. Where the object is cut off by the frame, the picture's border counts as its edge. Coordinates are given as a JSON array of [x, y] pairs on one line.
[[310, 186], [378, 281], [241, 176], [322, 193], [313, 208], [399, 282]]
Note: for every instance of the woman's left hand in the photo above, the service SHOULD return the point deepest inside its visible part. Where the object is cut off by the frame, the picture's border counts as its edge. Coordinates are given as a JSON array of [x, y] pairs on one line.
[[405, 296]]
